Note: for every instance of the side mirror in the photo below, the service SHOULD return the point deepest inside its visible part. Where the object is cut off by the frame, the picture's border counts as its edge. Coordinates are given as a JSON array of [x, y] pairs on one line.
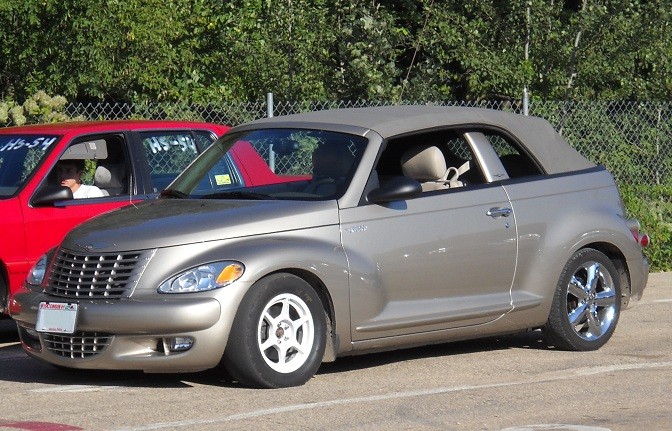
[[397, 189], [49, 194]]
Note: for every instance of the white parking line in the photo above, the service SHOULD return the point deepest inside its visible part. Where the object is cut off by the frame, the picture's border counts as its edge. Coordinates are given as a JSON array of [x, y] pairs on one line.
[[75, 388], [560, 427], [559, 375]]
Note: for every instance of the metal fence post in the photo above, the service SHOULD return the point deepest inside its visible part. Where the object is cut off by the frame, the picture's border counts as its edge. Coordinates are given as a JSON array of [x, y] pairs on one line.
[[269, 104], [269, 114]]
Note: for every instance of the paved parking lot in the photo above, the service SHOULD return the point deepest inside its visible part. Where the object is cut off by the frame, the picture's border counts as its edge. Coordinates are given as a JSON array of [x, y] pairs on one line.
[[510, 383]]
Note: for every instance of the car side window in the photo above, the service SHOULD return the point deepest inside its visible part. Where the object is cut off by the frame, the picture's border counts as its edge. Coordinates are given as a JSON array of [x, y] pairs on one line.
[[112, 174], [99, 163], [438, 160], [516, 162], [168, 153]]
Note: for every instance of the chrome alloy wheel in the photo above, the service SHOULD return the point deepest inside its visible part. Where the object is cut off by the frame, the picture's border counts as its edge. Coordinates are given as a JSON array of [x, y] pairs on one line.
[[591, 301], [286, 333]]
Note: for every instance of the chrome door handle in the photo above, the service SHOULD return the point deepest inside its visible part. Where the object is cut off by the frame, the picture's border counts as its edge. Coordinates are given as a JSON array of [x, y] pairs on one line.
[[499, 212]]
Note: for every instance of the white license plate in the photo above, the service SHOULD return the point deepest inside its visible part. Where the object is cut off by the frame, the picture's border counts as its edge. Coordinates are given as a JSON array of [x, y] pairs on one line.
[[56, 317]]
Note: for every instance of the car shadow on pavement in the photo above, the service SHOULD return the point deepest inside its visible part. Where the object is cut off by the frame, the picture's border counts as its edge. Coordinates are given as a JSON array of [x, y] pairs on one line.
[[17, 366], [533, 340], [8, 332], [28, 370]]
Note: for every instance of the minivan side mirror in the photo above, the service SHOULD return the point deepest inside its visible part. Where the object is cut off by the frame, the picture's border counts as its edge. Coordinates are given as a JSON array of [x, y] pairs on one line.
[[397, 189], [49, 194]]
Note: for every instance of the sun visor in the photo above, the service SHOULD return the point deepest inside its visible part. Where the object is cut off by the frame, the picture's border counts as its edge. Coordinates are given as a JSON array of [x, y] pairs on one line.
[[96, 149]]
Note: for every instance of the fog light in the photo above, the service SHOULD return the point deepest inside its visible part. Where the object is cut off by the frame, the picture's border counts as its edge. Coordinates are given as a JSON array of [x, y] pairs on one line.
[[178, 344]]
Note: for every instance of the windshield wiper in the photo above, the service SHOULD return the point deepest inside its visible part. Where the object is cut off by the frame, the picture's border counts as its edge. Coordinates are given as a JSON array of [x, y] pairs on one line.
[[170, 193], [237, 195]]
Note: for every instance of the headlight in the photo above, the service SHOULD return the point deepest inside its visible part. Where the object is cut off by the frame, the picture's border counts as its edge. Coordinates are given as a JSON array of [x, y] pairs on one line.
[[204, 278], [37, 272]]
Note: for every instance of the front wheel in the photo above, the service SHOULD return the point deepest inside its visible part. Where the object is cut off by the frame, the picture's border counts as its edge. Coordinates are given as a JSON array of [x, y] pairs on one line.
[[279, 334], [586, 303], [4, 296]]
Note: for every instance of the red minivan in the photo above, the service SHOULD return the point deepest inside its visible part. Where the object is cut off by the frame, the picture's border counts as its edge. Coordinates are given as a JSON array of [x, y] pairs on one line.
[[127, 160]]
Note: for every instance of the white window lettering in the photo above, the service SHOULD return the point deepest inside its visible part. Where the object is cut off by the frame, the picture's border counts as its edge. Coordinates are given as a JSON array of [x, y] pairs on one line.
[[47, 143], [19, 143], [35, 143], [164, 143], [188, 144], [154, 144], [14, 144]]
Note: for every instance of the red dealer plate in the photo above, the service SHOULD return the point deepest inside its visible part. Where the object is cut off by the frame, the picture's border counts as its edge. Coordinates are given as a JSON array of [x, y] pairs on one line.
[[56, 317]]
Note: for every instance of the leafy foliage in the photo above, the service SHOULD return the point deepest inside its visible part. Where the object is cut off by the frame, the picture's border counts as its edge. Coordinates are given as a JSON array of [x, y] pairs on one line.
[[204, 51], [207, 53], [39, 108], [652, 206]]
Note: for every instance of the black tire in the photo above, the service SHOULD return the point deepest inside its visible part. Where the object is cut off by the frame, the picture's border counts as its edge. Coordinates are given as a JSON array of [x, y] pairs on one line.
[[278, 337], [586, 304], [4, 296]]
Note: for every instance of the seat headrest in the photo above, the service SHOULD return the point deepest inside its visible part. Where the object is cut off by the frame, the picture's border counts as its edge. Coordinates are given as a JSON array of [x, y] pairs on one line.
[[424, 163], [109, 176], [332, 161]]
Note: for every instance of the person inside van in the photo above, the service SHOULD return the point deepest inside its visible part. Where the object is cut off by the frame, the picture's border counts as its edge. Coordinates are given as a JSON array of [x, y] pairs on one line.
[[70, 175]]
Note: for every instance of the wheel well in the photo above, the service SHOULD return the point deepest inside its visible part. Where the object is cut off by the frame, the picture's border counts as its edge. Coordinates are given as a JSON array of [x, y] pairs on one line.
[[618, 259], [327, 304]]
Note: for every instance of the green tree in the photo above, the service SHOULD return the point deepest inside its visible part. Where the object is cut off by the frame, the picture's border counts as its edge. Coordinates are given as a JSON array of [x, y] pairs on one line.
[[205, 52]]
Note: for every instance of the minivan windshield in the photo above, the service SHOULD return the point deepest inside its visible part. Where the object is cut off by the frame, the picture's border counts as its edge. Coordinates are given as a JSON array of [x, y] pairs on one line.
[[303, 164], [19, 156]]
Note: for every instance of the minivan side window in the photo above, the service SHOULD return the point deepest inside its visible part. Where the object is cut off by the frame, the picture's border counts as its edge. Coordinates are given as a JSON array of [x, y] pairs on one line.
[[168, 153], [102, 162]]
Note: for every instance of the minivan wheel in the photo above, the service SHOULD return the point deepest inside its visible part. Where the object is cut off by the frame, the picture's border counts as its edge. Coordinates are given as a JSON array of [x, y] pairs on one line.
[[586, 304], [278, 337], [4, 296]]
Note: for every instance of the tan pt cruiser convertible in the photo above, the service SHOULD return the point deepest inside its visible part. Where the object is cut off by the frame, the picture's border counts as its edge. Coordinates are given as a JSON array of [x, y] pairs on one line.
[[391, 227]]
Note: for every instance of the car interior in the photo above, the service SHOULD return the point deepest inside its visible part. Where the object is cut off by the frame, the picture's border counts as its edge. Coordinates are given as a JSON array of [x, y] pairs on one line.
[[110, 172], [438, 160], [110, 175], [441, 160]]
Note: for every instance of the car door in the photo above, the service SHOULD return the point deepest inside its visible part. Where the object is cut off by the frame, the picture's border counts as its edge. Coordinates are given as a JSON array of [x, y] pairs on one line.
[[46, 225], [443, 260]]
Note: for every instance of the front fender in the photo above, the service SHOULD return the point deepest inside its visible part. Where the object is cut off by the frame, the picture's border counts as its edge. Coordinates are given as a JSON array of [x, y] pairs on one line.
[[315, 251]]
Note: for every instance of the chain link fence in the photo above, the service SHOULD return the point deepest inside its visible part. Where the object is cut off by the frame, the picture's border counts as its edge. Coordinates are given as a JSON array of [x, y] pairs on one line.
[[632, 139]]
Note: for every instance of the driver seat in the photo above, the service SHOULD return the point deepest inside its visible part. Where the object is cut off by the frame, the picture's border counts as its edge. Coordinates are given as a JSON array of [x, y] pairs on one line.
[[427, 165]]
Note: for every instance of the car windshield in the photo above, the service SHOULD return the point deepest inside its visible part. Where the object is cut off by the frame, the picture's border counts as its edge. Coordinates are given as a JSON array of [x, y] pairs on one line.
[[19, 156], [302, 164]]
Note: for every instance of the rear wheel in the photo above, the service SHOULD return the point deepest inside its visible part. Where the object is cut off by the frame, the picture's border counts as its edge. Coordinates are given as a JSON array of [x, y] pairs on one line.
[[586, 304], [279, 334]]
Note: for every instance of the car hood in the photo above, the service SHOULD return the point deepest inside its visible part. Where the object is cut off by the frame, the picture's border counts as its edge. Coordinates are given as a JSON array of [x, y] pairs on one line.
[[169, 222]]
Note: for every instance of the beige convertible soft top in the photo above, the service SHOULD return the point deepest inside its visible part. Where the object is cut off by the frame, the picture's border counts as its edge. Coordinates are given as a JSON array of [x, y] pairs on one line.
[[535, 133]]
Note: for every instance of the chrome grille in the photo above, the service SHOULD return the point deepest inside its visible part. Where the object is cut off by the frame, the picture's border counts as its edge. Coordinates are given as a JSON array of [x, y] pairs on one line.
[[78, 345], [102, 275]]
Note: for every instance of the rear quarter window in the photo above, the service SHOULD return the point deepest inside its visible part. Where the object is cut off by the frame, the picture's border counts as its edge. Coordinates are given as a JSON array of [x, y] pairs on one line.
[[516, 162]]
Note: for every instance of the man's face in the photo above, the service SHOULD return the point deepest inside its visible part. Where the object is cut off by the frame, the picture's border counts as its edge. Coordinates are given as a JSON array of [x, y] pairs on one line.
[[68, 174]]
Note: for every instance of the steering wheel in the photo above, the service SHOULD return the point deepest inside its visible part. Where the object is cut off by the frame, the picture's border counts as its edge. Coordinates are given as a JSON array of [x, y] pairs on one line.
[[314, 186]]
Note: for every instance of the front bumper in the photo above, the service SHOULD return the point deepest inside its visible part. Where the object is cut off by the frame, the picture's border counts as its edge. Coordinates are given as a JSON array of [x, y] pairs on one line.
[[130, 334]]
